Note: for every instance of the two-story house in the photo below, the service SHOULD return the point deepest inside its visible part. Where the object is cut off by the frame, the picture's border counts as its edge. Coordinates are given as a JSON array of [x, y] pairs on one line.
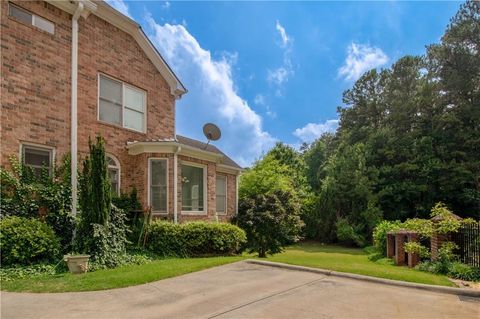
[[73, 69]]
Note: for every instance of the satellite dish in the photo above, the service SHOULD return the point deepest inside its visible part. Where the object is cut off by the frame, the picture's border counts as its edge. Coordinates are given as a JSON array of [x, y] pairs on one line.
[[212, 132]]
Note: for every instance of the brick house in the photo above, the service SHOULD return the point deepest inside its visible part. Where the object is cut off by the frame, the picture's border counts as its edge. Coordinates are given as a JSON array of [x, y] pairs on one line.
[[74, 69]]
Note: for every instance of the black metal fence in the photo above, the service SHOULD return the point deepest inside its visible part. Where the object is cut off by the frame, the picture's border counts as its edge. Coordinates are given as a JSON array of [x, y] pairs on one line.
[[468, 241]]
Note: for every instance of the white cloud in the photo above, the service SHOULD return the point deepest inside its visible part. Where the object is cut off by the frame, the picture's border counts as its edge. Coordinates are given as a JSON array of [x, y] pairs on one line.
[[121, 6], [260, 100], [279, 76], [283, 34], [361, 58], [312, 131], [212, 96], [166, 5]]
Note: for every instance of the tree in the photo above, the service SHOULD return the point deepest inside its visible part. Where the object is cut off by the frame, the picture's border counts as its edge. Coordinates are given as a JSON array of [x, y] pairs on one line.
[[271, 221], [95, 195]]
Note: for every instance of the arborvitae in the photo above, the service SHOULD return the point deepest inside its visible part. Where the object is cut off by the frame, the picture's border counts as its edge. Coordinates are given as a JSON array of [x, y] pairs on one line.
[[95, 195]]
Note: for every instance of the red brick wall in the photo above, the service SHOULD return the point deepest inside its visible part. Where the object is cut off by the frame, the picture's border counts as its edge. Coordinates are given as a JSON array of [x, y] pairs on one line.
[[35, 91], [35, 95]]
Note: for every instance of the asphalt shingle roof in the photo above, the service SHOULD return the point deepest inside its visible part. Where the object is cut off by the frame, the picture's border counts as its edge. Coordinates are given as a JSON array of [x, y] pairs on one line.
[[210, 148]]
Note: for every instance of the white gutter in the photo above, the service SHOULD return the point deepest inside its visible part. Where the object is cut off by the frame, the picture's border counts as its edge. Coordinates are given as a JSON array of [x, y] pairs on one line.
[[73, 143], [175, 185]]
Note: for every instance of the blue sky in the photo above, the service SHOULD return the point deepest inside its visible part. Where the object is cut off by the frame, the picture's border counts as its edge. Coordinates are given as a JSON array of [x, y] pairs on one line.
[[275, 71]]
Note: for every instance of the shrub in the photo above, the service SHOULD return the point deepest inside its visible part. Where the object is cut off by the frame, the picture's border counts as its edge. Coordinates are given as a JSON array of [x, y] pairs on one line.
[[464, 272], [380, 234], [23, 192], [194, 239], [107, 243], [270, 221], [349, 234], [446, 256], [26, 241], [416, 248]]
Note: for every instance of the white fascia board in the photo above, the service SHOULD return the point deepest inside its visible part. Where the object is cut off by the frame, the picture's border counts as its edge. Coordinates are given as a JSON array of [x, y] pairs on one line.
[[222, 168], [136, 148]]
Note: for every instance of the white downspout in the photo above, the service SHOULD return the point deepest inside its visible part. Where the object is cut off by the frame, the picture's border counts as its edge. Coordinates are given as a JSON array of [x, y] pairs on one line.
[[73, 150], [236, 194], [175, 185]]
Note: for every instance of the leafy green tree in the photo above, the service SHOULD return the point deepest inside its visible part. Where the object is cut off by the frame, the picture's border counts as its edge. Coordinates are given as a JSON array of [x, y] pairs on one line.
[[271, 221]]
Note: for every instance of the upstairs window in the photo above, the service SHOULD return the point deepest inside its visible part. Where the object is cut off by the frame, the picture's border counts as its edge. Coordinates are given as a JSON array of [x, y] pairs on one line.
[[30, 18], [37, 158], [121, 104]]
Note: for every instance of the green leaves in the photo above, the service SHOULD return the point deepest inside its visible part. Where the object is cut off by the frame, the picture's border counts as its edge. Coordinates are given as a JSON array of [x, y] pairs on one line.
[[194, 239], [26, 241], [270, 221]]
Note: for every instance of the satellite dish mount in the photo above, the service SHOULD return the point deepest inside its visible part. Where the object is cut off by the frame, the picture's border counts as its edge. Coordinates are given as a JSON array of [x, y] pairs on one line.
[[212, 133]]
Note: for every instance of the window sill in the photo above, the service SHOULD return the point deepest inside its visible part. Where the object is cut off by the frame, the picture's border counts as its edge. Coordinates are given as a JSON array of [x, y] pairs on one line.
[[159, 213], [121, 127], [194, 213]]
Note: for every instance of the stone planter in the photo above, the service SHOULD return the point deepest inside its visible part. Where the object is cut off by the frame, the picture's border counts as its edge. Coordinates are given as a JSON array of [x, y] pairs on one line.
[[77, 264]]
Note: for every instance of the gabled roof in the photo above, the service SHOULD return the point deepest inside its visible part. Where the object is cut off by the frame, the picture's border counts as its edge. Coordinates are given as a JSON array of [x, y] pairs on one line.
[[209, 148], [124, 23]]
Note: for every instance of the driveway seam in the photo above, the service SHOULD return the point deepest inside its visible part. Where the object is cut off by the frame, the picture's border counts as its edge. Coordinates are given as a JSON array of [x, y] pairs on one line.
[[266, 297]]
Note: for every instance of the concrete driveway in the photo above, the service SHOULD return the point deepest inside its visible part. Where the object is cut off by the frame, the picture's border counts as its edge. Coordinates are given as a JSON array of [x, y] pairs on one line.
[[243, 290]]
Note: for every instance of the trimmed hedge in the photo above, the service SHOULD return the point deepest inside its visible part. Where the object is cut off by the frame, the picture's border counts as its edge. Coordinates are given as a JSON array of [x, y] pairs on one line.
[[25, 241], [194, 239]]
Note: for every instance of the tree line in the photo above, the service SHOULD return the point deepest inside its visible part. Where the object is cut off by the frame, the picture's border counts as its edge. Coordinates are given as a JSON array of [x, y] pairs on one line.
[[408, 137]]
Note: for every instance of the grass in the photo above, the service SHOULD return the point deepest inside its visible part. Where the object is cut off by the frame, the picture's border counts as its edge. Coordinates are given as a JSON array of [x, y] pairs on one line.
[[337, 258], [116, 278], [353, 260]]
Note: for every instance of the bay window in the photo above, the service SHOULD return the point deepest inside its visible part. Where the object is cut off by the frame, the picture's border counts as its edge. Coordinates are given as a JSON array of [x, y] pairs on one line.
[[193, 189], [221, 194], [121, 104], [158, 185]]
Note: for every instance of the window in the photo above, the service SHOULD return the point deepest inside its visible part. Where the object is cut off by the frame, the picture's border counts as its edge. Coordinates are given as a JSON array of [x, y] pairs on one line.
[[193, 181], [158, 185], [221, 194], [30, 18], [121, 104], [37, 158], [114, 174]]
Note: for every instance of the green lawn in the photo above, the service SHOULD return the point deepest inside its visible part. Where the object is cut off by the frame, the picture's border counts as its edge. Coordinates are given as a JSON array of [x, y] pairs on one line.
[[353, 260], [116, 278]]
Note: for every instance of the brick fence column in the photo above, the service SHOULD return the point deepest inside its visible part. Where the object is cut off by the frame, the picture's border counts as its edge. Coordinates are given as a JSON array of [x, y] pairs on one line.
[[413, 259], [390, 245], [399, 250]]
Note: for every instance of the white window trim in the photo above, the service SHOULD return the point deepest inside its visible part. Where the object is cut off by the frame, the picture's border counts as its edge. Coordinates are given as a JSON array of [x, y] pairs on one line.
[[150, 159], [203, 212], [118, 167], [124, 84], [41, 147], [226, 194]]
